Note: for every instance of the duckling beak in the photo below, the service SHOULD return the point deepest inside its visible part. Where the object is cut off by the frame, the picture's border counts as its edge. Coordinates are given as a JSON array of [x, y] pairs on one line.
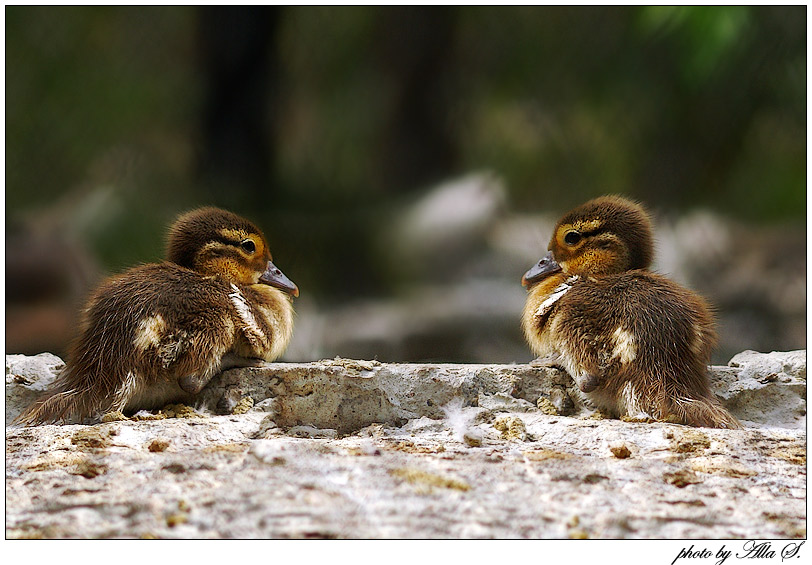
[[276, 278], [547, 266]]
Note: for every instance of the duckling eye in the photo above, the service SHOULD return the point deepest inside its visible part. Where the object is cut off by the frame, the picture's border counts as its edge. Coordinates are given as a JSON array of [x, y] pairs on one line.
[[572, 237], [248, 246]]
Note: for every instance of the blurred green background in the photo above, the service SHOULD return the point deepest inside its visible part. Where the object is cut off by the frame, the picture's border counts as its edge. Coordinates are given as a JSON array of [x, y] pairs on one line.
[[324, 124]]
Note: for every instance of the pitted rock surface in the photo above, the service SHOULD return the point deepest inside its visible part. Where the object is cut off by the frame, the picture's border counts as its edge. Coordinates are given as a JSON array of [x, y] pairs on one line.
[[362, 449]]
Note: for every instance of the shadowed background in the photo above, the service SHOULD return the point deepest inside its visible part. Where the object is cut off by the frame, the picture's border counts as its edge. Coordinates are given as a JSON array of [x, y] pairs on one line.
[[407, 164]]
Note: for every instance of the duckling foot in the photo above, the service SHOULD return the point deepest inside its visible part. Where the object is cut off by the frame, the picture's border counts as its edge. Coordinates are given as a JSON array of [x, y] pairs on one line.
[[587, 382], [193, 383], [232, 361], [551, 360]]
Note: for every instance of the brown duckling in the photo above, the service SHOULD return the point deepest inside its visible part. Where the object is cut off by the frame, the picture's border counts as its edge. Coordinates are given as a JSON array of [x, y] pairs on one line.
[[636, 343], [158, 333]]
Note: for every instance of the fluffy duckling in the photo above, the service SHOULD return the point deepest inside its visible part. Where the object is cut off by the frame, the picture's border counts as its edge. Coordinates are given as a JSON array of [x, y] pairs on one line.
[[636, 343], [158, 333]]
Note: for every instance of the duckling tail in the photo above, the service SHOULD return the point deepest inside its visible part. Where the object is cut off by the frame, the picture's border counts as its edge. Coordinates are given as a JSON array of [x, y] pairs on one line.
[[704, 412], [50, 408], [68, 397]]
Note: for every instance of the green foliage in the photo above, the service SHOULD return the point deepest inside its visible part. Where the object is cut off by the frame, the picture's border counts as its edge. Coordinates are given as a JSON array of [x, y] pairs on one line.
[[679, 106], [707, 36]]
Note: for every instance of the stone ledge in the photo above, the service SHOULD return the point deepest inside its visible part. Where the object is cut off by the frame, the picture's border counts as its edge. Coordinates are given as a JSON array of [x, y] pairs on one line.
[[361, 449], [346, 395]]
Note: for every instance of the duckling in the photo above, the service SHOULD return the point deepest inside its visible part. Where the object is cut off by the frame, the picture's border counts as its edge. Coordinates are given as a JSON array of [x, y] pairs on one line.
[[159, 332], [636, 343]]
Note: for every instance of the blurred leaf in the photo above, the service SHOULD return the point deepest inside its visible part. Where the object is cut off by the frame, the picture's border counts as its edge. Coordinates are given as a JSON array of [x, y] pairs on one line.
[[708, 34]]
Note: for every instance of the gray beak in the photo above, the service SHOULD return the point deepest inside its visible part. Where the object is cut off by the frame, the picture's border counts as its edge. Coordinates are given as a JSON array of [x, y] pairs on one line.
[[541, 270], [277, 279]]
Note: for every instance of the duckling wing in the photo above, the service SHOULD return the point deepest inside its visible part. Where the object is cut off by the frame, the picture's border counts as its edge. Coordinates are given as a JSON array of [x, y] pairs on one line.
[[139, 331], [181, 320], [636, 327], [264, 317], [171, 323], [585, 329]]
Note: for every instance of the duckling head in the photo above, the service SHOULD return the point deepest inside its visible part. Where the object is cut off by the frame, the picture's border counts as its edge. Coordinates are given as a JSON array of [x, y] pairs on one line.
[[604, 236], [216, 242]]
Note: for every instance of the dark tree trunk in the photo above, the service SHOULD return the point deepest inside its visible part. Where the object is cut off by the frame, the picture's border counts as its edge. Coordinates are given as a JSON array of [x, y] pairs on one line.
[[416, 50], [239, 62]]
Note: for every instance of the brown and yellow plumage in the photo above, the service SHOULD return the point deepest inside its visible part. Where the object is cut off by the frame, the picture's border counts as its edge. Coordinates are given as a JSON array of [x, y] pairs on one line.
[[636, 343], [158, 333]]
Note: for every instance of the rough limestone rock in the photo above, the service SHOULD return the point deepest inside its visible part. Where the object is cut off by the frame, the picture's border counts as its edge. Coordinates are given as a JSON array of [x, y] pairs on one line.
[[363, 449], [26, 377], [768, 389]]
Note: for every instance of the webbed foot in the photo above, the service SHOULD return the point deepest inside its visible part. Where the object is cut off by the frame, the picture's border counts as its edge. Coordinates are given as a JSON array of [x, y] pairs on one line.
[[232, 360], [551, 360], [193, 383], [587, 382]]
